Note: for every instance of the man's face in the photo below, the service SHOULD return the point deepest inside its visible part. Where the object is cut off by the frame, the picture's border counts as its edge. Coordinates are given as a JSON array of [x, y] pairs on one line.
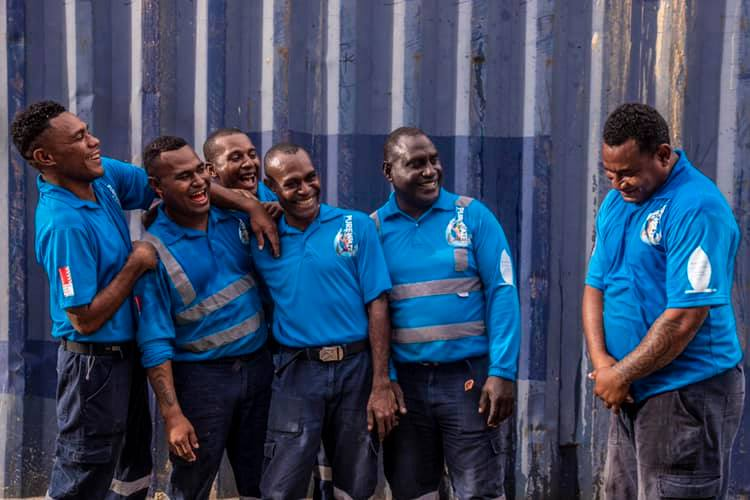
[[182, 181], [296, 183], [73, 150], [415, 172], [237, 163], [634, 174]]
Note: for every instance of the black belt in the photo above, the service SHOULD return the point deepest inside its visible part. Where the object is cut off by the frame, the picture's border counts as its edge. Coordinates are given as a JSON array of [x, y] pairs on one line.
[[326, 354], [94, 349]]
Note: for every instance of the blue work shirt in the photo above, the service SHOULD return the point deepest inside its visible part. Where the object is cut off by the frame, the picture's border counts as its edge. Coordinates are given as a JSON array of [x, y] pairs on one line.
[[265, 194], [674, 250], [324, 278], [202, 301], [454, 294], [83, 245]]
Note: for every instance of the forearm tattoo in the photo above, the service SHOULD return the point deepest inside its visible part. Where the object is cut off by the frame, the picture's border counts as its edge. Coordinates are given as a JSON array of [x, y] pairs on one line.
[[163, 386], [662, 344]]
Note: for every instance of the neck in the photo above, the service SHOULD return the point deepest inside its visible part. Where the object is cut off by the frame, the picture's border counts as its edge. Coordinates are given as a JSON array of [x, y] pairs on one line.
[[82, 189], [300, 223], [412, 210], [198, 222]]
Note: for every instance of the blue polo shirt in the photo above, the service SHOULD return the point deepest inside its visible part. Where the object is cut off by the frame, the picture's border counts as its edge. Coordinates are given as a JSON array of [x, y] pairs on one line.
[[454, 294], [265, 194], [83, 245], [218, 313], [674, 250], [324, 278]]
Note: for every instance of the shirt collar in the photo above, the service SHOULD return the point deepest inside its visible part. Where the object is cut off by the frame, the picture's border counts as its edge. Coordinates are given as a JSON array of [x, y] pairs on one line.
[[170, 232], [61, 194], [446, 201], [325, 214]]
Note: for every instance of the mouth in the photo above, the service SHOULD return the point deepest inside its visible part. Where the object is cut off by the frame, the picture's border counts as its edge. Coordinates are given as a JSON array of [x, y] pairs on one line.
[[249, 179], [96, 156], [307, 203], [199, 197], [429, 186]]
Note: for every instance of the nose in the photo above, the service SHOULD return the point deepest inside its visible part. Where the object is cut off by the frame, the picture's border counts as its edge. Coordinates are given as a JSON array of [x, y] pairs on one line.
[[93, 141]]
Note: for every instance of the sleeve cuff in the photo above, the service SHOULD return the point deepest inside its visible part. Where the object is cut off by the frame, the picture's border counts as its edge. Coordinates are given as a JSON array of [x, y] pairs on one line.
[[698, 300], [499, 372], [594, 283]]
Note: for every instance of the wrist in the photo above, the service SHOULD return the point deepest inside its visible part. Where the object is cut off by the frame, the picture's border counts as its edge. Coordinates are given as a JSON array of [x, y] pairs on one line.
[[171, 413], [380, 383]]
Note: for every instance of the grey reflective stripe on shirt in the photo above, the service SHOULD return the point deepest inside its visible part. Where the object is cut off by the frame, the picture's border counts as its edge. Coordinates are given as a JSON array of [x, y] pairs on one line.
[[460, 259], [438, 332], [174, 269], [376, 219], [224, 337], [435, 287], [216, 301], [463, 201]]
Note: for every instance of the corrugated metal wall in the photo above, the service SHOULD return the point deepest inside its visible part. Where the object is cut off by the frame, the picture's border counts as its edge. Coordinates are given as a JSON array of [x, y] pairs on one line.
[[513, 92]]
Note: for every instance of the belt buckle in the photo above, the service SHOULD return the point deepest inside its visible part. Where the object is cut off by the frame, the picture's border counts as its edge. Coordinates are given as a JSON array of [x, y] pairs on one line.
[[331, 353]]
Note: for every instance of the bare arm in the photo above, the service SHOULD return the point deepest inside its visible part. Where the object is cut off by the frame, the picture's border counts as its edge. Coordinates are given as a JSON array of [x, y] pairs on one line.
[[89, 318], [260, 222], [593, 327], [382, 404], [180, 433], [668, 336]]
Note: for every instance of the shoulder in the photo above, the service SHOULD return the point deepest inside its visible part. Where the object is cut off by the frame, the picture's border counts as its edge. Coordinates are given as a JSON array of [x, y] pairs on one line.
[[55, 215]]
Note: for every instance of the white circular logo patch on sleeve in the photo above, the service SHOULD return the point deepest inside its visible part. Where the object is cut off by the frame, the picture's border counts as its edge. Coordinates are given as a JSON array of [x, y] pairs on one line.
[[699, 271], [506, 268]]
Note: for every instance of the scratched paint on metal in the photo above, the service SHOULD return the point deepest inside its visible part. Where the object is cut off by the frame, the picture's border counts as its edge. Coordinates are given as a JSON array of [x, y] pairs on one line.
[[514, 94]]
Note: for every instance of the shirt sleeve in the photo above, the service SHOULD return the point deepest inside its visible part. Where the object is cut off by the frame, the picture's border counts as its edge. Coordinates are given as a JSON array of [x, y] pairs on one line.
[[597, 267], [374, 278], [156, 333], [71, 266], [131, 184], [700, 248], [493, 257]]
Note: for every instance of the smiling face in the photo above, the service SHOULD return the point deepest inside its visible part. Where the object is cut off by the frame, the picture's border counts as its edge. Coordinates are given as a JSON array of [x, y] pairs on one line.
[[294, 180], [415, 173], [636, 174], [68, 151], [182, 180], [237, 163]]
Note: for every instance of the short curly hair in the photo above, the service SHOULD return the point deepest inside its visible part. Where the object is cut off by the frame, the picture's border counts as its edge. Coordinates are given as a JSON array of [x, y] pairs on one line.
[[29, 124], [210, 150], [636, 121], [160, 145], [389, 148]]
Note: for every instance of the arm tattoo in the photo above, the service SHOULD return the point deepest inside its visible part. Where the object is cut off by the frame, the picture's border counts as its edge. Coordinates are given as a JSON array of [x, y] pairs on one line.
[[161, 382], [664, 341]]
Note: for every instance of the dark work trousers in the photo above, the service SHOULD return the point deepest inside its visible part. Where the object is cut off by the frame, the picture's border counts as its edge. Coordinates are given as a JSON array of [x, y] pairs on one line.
[[443, 426], [314, 401], [676, 444], [226, 401], [104, 443]]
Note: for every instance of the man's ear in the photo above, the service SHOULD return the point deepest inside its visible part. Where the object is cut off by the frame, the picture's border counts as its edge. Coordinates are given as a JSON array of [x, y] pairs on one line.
[[42, 158], [664, 153], [211, 168], [155, 184], [387, 171]]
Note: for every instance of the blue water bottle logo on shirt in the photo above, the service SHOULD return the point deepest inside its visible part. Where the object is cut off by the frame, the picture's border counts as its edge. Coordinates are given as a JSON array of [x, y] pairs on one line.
[[456, 233], [343, 243], [651, 231]]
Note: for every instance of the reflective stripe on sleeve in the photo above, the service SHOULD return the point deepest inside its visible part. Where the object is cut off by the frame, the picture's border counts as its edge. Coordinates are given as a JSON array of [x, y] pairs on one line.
[[174, 269], [224, 337], [435, 287], [376, 219], [464, 201], [216, 301], [438, 332]]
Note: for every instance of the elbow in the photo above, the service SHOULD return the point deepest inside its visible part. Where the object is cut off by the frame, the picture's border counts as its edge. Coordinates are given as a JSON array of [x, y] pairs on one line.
[[687, 322], [84, 326]]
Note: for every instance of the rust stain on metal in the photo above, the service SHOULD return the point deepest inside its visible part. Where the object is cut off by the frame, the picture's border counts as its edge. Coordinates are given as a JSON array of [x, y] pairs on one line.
[[678, 69]]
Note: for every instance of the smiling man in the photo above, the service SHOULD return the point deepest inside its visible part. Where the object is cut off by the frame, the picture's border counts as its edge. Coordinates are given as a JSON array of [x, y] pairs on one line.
[[234, 159], [329, 290], [456, 335], [201, 332], [82, 241], [658, 318]]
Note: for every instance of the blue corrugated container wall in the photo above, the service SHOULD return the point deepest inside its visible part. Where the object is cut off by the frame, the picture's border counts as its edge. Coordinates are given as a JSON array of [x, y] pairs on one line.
[[513, 92]]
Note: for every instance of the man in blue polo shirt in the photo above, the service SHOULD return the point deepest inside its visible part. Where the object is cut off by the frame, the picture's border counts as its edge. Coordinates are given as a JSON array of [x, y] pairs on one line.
[[82, 241], [658, 317], [329, 291], [456, 336], [202, 332]]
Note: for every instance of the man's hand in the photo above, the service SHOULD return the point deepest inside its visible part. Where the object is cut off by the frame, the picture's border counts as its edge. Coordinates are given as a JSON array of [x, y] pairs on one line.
[[399, 395], [611, 387], [273, 208], [263, 226], [181, 437], [381, 408], [144, 254], [498, 395]]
